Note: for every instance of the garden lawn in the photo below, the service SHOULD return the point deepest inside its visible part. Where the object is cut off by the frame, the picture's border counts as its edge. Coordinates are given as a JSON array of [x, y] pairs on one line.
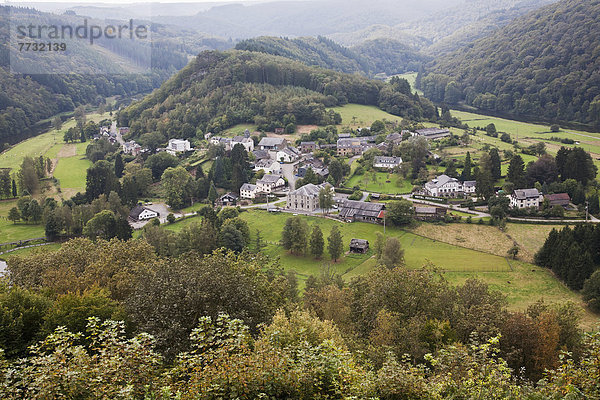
[[397, 184]]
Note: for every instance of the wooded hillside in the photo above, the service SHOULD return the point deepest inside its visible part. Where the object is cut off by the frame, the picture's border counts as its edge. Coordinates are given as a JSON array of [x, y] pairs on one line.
[[544, 65]]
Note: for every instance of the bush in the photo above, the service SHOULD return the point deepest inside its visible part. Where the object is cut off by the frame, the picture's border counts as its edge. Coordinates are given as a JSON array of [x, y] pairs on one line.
[[554, 128], [357, 195], [171, 218]]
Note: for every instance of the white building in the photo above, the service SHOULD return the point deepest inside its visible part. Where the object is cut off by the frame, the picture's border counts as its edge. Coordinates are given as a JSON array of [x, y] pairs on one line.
[[244, 141], [445, 186], [386, 162], [287, 155], [269, 183], [178, 146], [141, 213], [248, 191], [269, 166], [525, 198]]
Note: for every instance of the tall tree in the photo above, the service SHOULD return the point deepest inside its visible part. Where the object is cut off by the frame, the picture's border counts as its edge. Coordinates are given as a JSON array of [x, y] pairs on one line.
[[212, 193], [175, 183], [335, 243], [495, 164], [294, 236], [466, 174], [516, 172], [316, 242], [240, 167], [325, 199], [119, 166], [100, 179], [392, 254]]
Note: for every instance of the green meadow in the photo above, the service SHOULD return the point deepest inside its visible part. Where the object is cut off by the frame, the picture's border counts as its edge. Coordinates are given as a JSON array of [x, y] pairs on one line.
[[10, 232], [357, 115], [380, 182]]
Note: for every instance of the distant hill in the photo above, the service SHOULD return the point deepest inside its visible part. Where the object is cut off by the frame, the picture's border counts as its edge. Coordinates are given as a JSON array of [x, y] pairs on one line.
[[543, 65], [83, 74], [220, 89], [378, 56]]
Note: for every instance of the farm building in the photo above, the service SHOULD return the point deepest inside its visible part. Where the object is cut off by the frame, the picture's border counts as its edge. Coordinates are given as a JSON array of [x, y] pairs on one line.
[[433, 133], [272, 143], [525, 198], [248, 191], [429, 213], [353, 211], [558, 199], [269, 183], [386, 162], [359, 246]]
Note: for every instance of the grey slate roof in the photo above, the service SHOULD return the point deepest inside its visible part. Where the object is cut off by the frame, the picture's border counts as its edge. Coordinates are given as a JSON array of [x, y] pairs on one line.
[[387, 160], [522, 194], [270, 178], [309, 190], [271, 141], [350, 208], [248, 186]]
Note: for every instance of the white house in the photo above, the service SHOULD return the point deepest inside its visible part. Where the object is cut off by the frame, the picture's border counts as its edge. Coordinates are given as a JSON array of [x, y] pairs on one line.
[[287, 155], [269, 183], [525, 198], [269, 166], [386, 162], [248, 191], [444, 186], [141, 213], [244, 141], [469, 187], [178, 146]]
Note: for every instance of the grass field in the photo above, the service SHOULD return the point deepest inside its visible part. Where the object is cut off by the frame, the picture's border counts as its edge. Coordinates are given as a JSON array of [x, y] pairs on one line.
[[396, 184], [418, 250], [30, 250], [365, 115], [10, 232]]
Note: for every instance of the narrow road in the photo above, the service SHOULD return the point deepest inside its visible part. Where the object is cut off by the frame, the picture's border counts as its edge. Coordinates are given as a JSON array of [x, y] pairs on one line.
[[287, 170], [113, 129]]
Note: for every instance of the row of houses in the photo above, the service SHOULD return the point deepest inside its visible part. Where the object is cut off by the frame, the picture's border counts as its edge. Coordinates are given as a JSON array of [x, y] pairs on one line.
[[266, 185]]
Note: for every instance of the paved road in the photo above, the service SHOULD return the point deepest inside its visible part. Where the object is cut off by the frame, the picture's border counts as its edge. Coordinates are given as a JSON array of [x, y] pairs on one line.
[[288, 173], [113, 129]]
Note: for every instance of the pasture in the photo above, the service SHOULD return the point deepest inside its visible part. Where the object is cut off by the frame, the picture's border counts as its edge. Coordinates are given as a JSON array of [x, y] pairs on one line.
[[10, 232], [360, 116]]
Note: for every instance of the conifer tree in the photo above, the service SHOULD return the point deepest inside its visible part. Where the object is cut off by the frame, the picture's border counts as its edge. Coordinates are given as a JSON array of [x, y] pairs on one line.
[[336, 245], [316, 242]]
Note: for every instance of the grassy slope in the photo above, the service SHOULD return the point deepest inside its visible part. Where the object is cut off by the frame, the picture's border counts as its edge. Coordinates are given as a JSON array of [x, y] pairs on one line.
[[396, 184]]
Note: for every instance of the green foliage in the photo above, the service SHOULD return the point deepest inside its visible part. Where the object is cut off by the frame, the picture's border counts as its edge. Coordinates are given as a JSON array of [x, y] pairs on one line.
[[175, 182], [335, 244], [316, 243], [591, 291], [523, 68], [159, 162], [399, 212], [573, 254], [294, 236]]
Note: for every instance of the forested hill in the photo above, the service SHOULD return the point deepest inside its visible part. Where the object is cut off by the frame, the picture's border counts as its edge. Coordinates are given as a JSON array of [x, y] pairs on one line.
[[371, 57], [101, 71], [544, 65], [221, 89]]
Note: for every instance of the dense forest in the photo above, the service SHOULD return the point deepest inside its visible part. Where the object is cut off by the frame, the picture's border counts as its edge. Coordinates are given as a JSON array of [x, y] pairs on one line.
[[210, 325], [220, 89], [543, 65], [371, 57]]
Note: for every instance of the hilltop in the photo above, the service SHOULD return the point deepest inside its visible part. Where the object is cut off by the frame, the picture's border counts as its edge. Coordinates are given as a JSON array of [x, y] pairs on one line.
[[372, 57], [543, 65], [220, 89]]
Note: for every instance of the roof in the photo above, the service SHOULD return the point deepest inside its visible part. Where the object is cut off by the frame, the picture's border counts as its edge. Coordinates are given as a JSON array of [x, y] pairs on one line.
[[229, 195], [558, 198], [309, 190], [137, 210], [308, 143], [522, 194], [350, 208], [249, 187], [270, 178], [260, 154], [440, 181], [290, 151], [469, 183], [387, 160], [359, 243], [425, 210], [351, 142], [271, 141], [392, 137], [265, 162], [432, 131]]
